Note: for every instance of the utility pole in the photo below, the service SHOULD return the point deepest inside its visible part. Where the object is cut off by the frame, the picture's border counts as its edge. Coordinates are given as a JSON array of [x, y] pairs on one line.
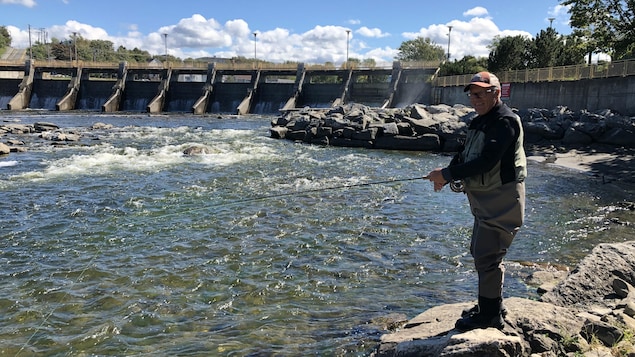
[[255, 41], [348, 36], [165, 41], [75, 47], [30, 45], [449, 33]]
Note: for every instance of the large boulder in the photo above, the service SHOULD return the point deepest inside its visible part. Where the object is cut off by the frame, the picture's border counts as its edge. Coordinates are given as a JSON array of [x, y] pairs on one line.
[[587, 313], [4, 149], [400, 128]]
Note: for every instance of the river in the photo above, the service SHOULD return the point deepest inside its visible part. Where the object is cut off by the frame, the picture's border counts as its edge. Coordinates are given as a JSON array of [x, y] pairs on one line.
[[121, 245]]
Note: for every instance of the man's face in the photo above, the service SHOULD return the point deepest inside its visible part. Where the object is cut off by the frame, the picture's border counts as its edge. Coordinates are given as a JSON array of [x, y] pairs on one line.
[[482, 99]]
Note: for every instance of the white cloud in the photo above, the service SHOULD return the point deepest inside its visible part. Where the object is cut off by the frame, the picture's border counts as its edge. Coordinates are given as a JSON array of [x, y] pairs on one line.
[[198, 36], [382, 56], [374, 32], [478, 11], [27, 3], [467, 37], [86, 31], [560, 14]]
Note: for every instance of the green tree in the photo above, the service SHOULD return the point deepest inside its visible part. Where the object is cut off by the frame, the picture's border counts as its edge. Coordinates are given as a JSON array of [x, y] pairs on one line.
[[41, 51], [369, 63], [61, 50], [573, 51], [607, 25], [101, 50], [509, 53], [420, 49], [5, 37], [546, 49], [352, 63], [466, 65]]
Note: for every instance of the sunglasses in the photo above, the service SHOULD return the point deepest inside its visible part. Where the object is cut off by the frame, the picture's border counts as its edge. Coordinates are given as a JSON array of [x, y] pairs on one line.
[[481, 94]]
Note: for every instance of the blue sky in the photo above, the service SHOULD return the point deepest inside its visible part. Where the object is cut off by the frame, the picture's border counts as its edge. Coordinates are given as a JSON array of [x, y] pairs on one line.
[[310, 32]]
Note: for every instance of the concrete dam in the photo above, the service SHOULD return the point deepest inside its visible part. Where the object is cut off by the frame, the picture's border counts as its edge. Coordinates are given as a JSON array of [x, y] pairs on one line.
[[126, 87]]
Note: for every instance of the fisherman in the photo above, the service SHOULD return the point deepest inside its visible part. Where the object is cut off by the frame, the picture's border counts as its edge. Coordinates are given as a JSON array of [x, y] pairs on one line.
[[492, 168]]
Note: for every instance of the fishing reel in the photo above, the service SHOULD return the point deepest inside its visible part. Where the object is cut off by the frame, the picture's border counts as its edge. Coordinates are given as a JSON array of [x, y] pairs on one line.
[[457, 186]]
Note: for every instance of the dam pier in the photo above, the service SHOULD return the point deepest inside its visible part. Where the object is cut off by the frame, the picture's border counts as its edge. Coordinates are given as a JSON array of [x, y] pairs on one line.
[[217, 88]]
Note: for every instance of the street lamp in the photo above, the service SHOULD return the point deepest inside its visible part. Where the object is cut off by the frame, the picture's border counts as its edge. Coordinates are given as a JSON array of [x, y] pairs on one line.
[[30, 45], [348, 35], [551, 21], [165, 41], [75, 45], [449, 33], [255, 40]]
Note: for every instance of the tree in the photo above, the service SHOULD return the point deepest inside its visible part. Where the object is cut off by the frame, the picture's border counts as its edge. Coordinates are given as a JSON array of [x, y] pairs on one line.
[[509, 53], [5, 37], [369, 63], [352, 63], [420, 49], [546, 49], [608, 25], [466, 65], [573, 51]]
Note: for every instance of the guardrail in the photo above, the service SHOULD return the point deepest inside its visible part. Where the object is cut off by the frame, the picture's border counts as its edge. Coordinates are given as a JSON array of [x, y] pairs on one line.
[[551, 74], [223, 65]]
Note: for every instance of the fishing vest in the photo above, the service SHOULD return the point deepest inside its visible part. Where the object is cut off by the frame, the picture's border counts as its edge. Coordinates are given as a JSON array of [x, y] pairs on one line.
[[474, 143]]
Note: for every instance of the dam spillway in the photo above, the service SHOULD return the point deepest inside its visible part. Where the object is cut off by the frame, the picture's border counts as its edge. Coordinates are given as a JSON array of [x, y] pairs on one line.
[[216, 88]]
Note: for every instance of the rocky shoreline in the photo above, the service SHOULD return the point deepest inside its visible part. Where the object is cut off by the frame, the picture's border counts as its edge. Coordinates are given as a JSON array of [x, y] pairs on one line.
[[590, 312], [600, 143]]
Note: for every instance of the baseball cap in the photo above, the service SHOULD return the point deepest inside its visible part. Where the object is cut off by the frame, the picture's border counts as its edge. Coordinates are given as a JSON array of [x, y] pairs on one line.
[[485, 80]]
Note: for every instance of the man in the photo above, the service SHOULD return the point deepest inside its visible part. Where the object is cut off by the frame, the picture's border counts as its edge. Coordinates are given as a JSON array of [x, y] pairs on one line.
[[492, 167]]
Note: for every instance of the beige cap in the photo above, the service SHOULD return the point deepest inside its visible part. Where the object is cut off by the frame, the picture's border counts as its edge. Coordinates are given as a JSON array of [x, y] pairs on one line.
[[485, 80]]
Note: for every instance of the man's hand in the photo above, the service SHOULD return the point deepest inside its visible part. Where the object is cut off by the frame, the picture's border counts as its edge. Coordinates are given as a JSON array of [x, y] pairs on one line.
[[437, 179]]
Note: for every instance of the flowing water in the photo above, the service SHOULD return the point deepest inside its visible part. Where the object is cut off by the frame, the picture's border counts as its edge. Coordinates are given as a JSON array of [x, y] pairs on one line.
[[120, 245]]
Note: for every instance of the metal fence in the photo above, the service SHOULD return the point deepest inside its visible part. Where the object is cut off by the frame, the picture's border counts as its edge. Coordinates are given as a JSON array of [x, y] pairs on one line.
[[224, 64], [551, 74]]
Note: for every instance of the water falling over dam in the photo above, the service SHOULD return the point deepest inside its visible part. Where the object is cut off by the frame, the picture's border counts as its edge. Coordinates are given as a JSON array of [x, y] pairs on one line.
[[216, 88]]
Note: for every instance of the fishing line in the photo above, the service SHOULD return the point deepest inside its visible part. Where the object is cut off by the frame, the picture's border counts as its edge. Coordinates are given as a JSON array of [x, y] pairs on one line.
[[67, 293], [294, 193], [245, 200]]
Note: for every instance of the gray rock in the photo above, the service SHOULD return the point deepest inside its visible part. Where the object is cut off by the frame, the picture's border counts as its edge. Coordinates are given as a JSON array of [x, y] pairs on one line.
[[449, 123], [582, 309], [592, 281], [43, 126], [4, 149]]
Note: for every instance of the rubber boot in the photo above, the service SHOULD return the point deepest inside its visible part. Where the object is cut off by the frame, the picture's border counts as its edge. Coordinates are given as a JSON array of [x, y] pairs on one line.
[[488, 315], [474, 309]]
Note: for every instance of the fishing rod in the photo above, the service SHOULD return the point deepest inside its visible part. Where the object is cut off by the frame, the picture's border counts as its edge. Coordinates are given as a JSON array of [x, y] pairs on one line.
[[295, 193], [258, 198], [455, 186]]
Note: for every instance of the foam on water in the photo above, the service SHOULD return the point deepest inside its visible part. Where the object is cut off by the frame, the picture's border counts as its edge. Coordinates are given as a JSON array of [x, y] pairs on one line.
[[156, 149], [8, 163]]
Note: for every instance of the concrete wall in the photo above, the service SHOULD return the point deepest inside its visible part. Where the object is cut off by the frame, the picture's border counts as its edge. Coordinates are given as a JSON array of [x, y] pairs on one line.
[[615, 93]]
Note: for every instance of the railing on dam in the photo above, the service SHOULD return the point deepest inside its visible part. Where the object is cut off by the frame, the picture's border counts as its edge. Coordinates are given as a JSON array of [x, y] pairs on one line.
[[551, 74], [222, 65]]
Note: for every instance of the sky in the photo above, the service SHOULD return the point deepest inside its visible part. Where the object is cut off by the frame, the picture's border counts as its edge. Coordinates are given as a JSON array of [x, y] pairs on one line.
[[286, 30]]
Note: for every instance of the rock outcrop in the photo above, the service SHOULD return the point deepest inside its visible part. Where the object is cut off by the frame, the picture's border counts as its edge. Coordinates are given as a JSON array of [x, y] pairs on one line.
[[589, 313], [442, 127]]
